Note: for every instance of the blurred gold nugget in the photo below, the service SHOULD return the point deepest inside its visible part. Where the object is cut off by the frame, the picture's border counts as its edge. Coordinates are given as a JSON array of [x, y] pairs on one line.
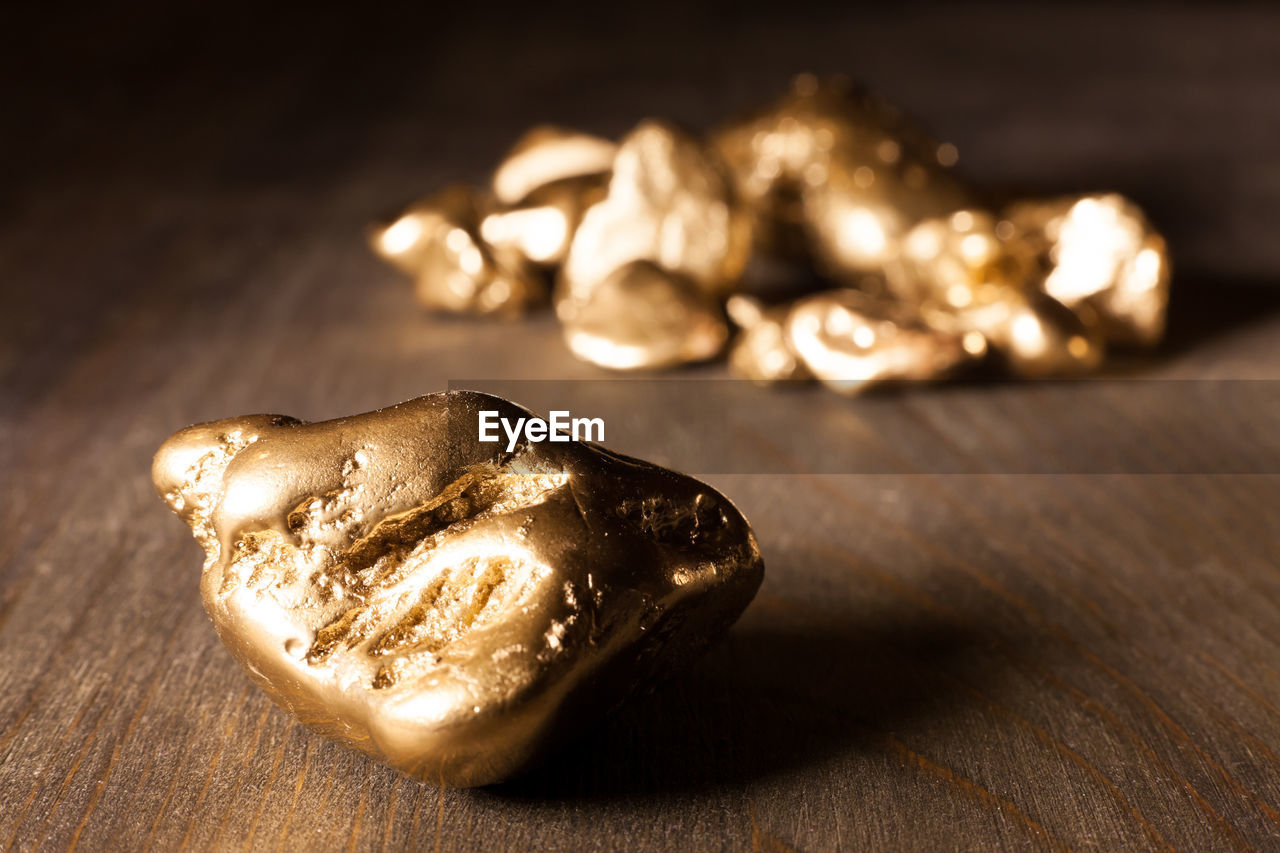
[[644, 316], [1038, 336], [1100, 251], [549, 155], [437, 241], [669, 202], [971, 273], [649, 239], [449, 608], [850, 170], [540, 228], [851, 342], [955, 262], [761, 352], [543, 187]]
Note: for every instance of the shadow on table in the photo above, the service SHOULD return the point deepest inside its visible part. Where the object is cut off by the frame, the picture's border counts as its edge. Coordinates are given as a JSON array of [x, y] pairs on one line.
[[784, 692], [1203, 308], [770, 700]]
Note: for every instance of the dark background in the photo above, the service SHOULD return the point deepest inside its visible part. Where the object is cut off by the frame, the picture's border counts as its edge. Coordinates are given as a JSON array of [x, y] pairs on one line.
[[125, 121], [934, 661], [1173, 104]]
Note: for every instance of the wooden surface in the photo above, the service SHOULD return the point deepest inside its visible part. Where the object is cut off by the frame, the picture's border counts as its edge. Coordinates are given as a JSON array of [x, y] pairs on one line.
[[1087, 657]]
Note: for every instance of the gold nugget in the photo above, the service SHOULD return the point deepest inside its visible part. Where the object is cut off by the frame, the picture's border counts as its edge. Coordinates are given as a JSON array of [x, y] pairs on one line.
[[540, 228], [955, 262], [852, 342], [1100, 250], [548, 155], [970, 274], [844, 167], [437, 241], [669, 202], [648, 242], [760, 352], [450, 608], [643, 316], [1039, 337]]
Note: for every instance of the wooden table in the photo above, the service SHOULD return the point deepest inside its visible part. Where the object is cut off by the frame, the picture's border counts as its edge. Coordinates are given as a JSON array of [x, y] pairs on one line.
[[994, 616]]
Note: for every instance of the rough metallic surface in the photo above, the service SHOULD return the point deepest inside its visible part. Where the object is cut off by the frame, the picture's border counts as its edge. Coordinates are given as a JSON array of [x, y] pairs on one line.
[[852, 342], [546, 155], [643, 316], [669, 202], [437, 241], [447, 607], [1100, 250]]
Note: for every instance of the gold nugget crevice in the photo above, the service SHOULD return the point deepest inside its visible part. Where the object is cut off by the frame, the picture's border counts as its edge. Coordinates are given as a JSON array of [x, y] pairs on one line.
[[450, 608], [651, 250]]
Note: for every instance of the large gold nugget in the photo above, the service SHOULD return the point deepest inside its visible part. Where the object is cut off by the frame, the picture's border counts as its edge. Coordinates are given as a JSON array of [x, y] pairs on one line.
[[446, 606], [1100, 250], [669, 202], [437, 241]]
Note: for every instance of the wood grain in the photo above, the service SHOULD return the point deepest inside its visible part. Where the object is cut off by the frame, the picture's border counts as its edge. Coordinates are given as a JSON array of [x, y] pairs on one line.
[[937, 660]]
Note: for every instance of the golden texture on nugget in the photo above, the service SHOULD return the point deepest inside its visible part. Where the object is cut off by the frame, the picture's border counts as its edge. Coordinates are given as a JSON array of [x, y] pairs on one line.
[[1100, 251], [669, 202], [437, 241], [852, 342], [450, 608], [644, 316]]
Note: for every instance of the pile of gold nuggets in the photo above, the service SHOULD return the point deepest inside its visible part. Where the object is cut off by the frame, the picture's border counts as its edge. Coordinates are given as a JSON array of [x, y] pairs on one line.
[[643, 247]]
